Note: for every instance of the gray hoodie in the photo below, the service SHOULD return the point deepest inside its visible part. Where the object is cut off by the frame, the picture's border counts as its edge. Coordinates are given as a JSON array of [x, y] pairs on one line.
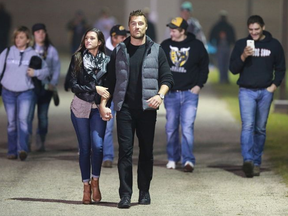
[[15, 77], [53, 63]]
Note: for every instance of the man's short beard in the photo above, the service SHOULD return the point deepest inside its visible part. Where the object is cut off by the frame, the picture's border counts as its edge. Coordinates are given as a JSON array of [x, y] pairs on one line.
[[139, 37]]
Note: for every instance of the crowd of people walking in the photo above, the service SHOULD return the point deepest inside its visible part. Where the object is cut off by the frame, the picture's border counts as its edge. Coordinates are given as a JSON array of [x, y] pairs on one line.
[[124, 74]]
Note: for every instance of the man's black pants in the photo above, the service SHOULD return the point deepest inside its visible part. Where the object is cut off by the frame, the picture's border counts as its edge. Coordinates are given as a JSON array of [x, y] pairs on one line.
[[143, 122]]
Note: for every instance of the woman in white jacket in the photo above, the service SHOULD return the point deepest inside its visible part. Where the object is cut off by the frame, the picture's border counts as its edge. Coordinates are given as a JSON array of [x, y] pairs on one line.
[[17, 90]]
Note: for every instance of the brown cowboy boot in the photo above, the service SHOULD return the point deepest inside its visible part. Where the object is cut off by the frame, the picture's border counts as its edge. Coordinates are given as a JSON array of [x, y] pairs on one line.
[[96, 194], [87, 194]]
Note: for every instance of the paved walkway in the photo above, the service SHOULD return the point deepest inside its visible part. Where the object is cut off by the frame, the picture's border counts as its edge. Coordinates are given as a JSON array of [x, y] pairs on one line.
[[49, 183]]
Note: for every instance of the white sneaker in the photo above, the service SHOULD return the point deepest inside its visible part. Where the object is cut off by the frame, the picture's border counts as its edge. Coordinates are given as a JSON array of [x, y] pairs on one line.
[[171, 165], [188, 167]]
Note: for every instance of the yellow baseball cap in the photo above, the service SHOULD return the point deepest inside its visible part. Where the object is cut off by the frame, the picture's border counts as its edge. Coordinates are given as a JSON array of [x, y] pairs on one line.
[[178, 22], [118, 30]]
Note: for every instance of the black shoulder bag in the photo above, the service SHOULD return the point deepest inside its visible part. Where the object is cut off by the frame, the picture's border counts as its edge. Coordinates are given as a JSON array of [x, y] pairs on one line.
[[4, 68]]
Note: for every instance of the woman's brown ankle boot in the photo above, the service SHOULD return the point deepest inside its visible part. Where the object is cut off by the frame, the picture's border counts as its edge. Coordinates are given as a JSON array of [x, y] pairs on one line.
[[96, 194], [87, 194]]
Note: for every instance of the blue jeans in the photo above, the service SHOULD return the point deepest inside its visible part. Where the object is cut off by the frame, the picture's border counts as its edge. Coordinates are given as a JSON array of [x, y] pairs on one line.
[[90, 134], [181, 108], [17, 106], [108, 146], [254, 110], [42, 101]]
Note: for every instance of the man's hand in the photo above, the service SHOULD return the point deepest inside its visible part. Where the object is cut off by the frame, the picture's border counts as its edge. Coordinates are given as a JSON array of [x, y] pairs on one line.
[[248, 51], [195, 90], [154, 102], [30, 72], [272, 88], [102, 91]]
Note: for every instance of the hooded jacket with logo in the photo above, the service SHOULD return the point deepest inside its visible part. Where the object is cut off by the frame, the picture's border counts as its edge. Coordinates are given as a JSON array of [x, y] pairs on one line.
[[188, 61], [265, 67], [15, 77]]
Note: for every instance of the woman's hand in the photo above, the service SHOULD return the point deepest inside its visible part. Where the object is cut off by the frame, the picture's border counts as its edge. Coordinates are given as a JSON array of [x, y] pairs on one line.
[[50, 87], [30, 72], [102, 91], [105, 113]]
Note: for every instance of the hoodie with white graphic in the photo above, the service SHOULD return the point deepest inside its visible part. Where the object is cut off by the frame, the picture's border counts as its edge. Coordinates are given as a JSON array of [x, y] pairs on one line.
[[188, 61]]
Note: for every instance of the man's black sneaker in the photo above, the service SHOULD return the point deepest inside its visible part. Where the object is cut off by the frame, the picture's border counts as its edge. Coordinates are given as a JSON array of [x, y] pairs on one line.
[[248, 167], [23, 155]]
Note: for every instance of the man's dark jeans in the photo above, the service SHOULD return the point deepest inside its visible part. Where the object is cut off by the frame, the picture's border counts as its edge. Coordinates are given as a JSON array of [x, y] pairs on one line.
[[143, 122]]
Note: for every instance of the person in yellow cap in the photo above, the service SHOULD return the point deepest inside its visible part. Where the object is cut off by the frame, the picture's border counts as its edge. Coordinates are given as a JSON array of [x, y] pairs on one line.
[[117, 34], [188, 61]]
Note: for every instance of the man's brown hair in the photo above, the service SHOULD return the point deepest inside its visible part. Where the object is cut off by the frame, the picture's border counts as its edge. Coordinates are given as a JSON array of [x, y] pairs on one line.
[[137, 13]]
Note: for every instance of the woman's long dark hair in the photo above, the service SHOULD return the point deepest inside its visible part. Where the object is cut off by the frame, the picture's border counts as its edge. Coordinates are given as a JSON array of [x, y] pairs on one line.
[[79, 51], [100, 37], [47, 42]]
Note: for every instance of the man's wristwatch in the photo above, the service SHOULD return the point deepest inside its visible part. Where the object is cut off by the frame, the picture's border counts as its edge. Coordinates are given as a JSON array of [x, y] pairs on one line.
[[161, 96]]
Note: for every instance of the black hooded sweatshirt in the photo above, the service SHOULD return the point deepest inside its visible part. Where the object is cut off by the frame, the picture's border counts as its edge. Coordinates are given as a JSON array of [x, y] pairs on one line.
[[188, 61], [265, 67]]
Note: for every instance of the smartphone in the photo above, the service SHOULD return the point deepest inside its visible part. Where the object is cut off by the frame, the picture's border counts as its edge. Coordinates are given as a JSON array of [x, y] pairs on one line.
[[251, 44]]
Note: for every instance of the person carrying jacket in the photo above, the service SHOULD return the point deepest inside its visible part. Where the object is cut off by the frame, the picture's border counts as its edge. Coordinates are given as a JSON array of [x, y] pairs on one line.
[[43, 46], [18, 90], [261, 69]]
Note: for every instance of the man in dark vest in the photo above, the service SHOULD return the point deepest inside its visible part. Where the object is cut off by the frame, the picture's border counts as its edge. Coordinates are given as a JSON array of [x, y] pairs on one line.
[[138, 78]]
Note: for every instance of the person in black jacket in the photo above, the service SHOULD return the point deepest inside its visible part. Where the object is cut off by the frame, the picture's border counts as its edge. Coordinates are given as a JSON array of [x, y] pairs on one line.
[[222, 36], [88, 71], [262, 68], [188, 60]]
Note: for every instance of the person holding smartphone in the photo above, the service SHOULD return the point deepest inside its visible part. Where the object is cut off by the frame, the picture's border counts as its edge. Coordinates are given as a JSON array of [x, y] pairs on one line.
[[261, 70]]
